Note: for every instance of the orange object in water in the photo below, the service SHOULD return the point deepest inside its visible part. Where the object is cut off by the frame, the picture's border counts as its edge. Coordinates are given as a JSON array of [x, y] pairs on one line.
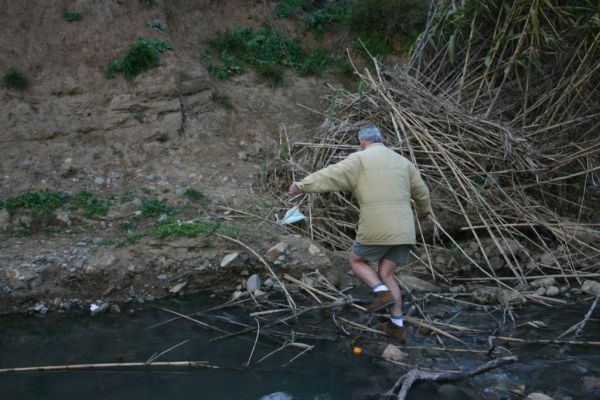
[[357, 350]]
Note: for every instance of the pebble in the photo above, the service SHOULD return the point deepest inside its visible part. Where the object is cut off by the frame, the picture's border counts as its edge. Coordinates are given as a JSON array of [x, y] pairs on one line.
[[276, 251], [253, 283], [177, 288], [40, 308], [552, 291], [99, 180], [268, 283], [393, 353], [591, 287], [314, 250], [99, 307], [259, 293], [538, 396], [236, 295], [229, 259], [161, 277], [115, 309], [542, 282]]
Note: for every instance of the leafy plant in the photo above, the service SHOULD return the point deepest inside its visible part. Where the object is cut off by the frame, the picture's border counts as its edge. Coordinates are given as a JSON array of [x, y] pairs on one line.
[[14, 79], [43, 202], [139, 57], [91, 203], [154, 208], [268, 52], [72, 16]]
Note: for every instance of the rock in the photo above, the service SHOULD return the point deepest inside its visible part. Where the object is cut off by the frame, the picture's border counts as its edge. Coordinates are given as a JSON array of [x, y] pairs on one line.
[[538, 396], [457, 289], [547, 259], [418, 285], [258, 293], [161, 277], [314, 250], [99, 180], [308, 281], [229, 259], [552, 291], [99, 307], [253, 283], [236, 295], [66, 168], [543, 282], [591, 383], [115, 309], [268, 283], [497, 262], [177, 288], [486, 295], [591, 287], [393, 353], [276, 251], [540, 291], [242, 156], [40, 308]]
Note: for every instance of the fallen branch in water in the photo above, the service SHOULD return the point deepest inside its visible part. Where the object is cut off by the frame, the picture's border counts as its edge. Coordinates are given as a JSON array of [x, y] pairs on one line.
[[406, 381], [580, 326], [545, 341], [190, 364]]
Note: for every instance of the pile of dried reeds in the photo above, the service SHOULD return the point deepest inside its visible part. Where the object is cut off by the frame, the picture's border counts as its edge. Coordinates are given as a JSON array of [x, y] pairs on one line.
[[499, 110]]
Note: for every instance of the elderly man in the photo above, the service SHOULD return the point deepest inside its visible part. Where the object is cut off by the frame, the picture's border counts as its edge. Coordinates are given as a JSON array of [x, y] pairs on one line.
[[383, 183]]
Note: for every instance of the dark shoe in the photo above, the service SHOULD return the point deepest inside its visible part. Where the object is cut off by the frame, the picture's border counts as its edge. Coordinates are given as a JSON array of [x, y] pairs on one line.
[[383, 300], [395, 331]]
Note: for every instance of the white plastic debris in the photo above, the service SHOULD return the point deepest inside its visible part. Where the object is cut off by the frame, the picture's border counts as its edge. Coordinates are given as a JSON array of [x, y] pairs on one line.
[[292, 215]]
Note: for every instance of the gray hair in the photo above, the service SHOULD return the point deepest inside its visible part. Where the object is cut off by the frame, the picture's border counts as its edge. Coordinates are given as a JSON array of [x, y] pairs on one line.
[[369, 133]]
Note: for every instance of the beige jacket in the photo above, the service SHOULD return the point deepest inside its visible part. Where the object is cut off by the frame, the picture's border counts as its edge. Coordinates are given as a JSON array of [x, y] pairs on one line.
[[383, 183]]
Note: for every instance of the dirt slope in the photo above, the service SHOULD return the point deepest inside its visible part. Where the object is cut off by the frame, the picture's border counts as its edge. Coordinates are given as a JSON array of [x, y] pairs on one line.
[[73, 129]]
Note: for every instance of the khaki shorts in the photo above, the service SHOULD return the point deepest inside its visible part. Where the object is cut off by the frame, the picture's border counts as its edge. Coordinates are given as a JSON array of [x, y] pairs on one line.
[[399, 253]]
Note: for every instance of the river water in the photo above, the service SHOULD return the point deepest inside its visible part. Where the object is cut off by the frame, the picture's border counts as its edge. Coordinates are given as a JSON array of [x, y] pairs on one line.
[[329, 371]]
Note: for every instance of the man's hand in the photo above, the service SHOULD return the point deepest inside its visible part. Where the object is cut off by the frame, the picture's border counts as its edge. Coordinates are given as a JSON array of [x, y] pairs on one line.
[[294, 189]]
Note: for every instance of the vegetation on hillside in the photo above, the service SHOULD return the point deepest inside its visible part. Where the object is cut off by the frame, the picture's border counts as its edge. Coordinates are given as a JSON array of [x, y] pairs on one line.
[[139, 57], [15, 79]]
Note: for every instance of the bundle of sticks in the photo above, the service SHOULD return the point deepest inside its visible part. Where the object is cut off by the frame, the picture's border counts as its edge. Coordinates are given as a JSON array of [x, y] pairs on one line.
[[508, 147]]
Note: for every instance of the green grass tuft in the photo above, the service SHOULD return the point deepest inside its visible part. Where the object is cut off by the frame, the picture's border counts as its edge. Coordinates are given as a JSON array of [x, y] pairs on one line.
[[139, 57], [196, 195], [72, 16], [14, 79]]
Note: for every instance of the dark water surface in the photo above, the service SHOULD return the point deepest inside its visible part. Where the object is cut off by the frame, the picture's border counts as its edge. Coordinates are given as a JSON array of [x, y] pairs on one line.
[[328, 372]]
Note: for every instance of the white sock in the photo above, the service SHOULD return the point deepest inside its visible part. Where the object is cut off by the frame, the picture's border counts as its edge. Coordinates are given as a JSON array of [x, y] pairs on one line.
[[380, 287], [397, 320]]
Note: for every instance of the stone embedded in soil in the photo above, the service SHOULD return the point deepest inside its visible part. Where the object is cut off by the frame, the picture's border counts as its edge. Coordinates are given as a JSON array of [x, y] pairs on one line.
[[547, 259], [253, 283], [393, 353], [417, 285], [229, 259], [276, 251], [99, 307], [538, 396], [591, 287]]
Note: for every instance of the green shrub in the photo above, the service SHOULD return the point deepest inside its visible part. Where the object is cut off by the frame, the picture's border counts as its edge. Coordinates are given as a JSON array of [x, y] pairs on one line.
[[139, 57], [287, 8], [41, 203], [72, 16], [154, 208], [91, 203], [14, 79], [268, 52]]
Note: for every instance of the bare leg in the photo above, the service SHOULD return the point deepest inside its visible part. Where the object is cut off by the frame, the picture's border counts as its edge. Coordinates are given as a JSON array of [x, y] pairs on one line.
[[362, 269], [386, 275]]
